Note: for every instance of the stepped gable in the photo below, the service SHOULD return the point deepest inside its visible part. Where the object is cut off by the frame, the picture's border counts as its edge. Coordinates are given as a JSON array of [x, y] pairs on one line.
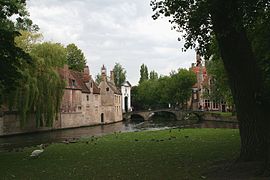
[[114, 88], [78, 76]]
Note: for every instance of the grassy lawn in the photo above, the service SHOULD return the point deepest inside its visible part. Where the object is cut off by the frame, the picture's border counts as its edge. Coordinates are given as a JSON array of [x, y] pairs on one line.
[[175, 154]]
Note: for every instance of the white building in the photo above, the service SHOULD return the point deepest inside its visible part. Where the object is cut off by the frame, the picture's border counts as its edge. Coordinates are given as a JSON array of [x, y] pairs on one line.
[[126, 97]]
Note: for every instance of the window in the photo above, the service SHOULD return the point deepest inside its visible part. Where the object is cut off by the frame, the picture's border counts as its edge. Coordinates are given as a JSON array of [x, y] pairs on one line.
[[79, 108], [73, 82], [206, 104], [107, 89], [195, 96], [91, 85], [215, 105], [87, 97]]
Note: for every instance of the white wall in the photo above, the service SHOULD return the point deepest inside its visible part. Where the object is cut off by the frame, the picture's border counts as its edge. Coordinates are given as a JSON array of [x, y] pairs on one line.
[[126, 91]]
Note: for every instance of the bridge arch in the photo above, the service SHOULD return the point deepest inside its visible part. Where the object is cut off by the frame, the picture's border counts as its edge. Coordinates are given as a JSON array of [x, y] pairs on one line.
[[198, 115], [159, 113], [178, 114], [137, 115]]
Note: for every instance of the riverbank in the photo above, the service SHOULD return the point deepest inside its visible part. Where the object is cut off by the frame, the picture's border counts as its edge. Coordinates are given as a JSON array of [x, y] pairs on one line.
[[166, 154]]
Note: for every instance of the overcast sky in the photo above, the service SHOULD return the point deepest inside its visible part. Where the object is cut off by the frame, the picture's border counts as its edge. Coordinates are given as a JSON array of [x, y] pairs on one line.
[[110, 31]]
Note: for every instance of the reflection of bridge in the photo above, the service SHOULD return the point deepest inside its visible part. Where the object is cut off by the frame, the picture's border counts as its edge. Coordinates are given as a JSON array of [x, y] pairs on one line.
[[179, 114]]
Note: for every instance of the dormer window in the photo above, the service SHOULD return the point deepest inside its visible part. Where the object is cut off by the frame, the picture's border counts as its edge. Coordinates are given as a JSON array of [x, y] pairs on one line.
[[73, 83]]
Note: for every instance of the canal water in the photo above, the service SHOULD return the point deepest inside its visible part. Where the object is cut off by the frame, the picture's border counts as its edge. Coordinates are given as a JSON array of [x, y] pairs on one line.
[[16, 142]]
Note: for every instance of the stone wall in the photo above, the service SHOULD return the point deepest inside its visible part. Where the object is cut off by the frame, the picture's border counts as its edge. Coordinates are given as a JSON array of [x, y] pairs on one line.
[[217, 117], [10, 124]]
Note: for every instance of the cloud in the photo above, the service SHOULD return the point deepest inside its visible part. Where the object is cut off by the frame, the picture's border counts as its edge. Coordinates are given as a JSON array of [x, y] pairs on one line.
[[110, 31]]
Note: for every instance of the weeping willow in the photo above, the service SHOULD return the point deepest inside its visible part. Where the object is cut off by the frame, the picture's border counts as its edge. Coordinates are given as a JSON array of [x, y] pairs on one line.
[[41, 89], [50, 92]]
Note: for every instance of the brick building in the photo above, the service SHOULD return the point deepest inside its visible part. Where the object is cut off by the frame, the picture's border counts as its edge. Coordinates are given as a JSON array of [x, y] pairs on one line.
[[199, 100]]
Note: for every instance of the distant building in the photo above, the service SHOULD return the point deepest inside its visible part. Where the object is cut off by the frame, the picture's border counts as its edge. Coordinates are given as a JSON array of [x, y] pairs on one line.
[[199, 101], [83, 104], [126, 96], [111, 105], [80, 104]]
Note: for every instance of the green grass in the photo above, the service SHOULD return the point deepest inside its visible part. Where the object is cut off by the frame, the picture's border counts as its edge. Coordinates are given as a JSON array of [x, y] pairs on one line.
[[179, 154]]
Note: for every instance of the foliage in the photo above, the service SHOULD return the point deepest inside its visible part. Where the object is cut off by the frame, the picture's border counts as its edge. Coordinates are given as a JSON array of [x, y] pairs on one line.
[[241, 29], [51, 54], [119, 156], [147, 92], [219, 88], [12, 58], [27, 40], [182, 83], [40, 90], [153, 75], [119, 74], [143, 73], [75, 58], [49, 57], [174, 89], [98, 78]]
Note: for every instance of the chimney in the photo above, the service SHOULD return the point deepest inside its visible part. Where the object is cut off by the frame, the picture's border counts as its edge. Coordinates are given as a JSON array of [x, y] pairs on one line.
[[103, 73], [112, 77], [86, 74]]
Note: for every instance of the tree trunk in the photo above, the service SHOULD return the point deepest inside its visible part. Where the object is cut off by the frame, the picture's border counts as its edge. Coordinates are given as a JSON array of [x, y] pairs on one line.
[[244, 77]]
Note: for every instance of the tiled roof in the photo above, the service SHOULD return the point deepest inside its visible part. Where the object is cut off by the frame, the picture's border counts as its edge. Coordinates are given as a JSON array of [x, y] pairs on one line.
[[69, 75], [96, 90], [114, 88], [79, 81]]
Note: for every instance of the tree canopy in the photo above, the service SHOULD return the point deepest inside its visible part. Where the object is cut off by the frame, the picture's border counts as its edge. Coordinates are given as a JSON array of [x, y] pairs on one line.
[[160, 92], [143, 73], [233, 24], [75, 58], [153, 75], [13, 58], [119, 74]]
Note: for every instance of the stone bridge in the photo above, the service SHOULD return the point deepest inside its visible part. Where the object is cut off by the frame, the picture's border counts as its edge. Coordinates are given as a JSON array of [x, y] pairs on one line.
[[179, 114]]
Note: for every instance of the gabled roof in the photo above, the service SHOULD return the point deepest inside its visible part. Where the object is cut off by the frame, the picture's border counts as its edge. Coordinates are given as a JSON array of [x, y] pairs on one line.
[[126, 83], [69, 75], [96, 90], [79, 80], [114, 88]]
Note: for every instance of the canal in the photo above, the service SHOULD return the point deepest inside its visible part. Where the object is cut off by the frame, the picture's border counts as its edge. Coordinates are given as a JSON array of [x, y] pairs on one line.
[[17, 142]]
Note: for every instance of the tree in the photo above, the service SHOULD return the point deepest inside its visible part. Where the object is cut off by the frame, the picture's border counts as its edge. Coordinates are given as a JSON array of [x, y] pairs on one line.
[[98, 78], [219, 86], [229, 21], [158, 93], [143, 73], [12, 58], [181, 85], [27, 40], [75, 58], [119, 74], [48, 85], [153, 75]]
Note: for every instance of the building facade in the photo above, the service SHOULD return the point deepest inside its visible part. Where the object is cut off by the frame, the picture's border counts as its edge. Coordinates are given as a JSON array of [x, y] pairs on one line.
[[126, 97], [84, 103], [111, 104], [199, 99]]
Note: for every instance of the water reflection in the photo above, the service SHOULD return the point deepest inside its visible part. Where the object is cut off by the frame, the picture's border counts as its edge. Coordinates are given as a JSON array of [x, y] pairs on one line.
[[137, 124]]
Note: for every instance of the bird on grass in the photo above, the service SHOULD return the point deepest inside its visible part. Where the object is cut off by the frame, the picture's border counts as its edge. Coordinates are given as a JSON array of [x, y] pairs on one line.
[[37, 152]]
